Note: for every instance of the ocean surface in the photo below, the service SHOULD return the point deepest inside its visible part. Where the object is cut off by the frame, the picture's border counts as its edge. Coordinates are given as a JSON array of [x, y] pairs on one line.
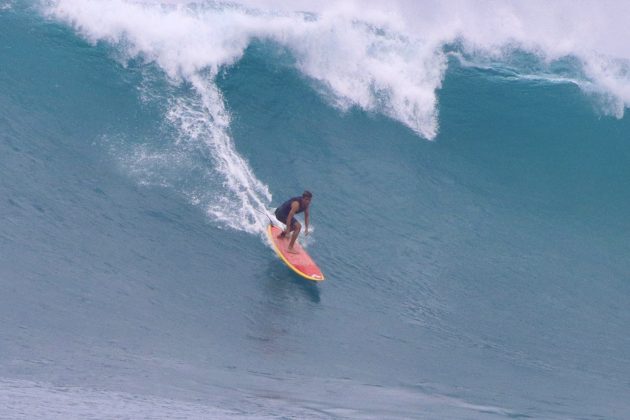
[[470, 165]]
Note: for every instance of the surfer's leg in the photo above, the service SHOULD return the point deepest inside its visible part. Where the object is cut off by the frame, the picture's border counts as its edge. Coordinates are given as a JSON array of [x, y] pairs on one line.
[[296, 227], [283, 220]]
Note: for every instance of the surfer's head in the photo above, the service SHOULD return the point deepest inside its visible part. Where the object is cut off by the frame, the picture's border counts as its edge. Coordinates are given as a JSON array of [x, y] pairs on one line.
[[307, 196]]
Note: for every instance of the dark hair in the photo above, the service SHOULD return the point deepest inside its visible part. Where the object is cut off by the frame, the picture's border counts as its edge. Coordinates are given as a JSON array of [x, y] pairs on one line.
[[307, 194]]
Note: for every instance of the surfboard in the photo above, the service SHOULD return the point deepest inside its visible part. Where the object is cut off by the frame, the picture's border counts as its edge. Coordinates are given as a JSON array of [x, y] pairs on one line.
[[301, 262]]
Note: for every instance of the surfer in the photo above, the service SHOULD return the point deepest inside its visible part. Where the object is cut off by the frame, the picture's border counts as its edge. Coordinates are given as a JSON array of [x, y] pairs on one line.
[[286, 212]]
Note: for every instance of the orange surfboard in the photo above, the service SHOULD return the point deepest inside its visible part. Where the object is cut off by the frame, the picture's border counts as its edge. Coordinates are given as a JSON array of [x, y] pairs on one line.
[[301, 262]]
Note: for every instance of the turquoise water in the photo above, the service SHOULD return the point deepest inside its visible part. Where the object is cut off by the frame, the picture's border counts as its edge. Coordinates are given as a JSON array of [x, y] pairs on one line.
[[470, 214]]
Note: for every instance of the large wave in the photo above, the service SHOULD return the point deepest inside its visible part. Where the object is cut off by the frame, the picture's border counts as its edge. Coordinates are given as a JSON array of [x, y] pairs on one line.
[[388, 58]]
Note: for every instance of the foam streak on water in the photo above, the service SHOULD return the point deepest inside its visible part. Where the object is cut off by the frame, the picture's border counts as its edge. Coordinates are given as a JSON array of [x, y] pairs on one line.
[[207, 121]]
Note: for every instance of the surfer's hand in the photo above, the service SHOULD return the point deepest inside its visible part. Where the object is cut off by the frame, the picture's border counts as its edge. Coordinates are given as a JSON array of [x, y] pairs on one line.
[[306, 232]]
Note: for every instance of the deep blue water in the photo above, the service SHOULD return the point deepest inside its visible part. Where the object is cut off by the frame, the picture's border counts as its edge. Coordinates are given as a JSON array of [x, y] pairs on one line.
[[480, 274]]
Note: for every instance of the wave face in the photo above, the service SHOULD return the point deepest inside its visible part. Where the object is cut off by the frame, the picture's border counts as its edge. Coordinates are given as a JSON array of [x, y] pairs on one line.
[[469, 163]]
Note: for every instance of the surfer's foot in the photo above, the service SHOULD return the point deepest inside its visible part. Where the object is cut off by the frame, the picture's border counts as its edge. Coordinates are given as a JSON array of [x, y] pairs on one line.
[[282, 235], [292, 251]]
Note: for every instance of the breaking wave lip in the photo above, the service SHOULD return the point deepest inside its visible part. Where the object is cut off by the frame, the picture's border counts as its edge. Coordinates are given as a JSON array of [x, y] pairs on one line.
[[392, 62], [518, 64], [360, 62]]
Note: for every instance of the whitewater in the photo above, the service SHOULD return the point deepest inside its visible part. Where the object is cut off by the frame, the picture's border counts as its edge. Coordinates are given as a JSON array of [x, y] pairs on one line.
[[469, 163]]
